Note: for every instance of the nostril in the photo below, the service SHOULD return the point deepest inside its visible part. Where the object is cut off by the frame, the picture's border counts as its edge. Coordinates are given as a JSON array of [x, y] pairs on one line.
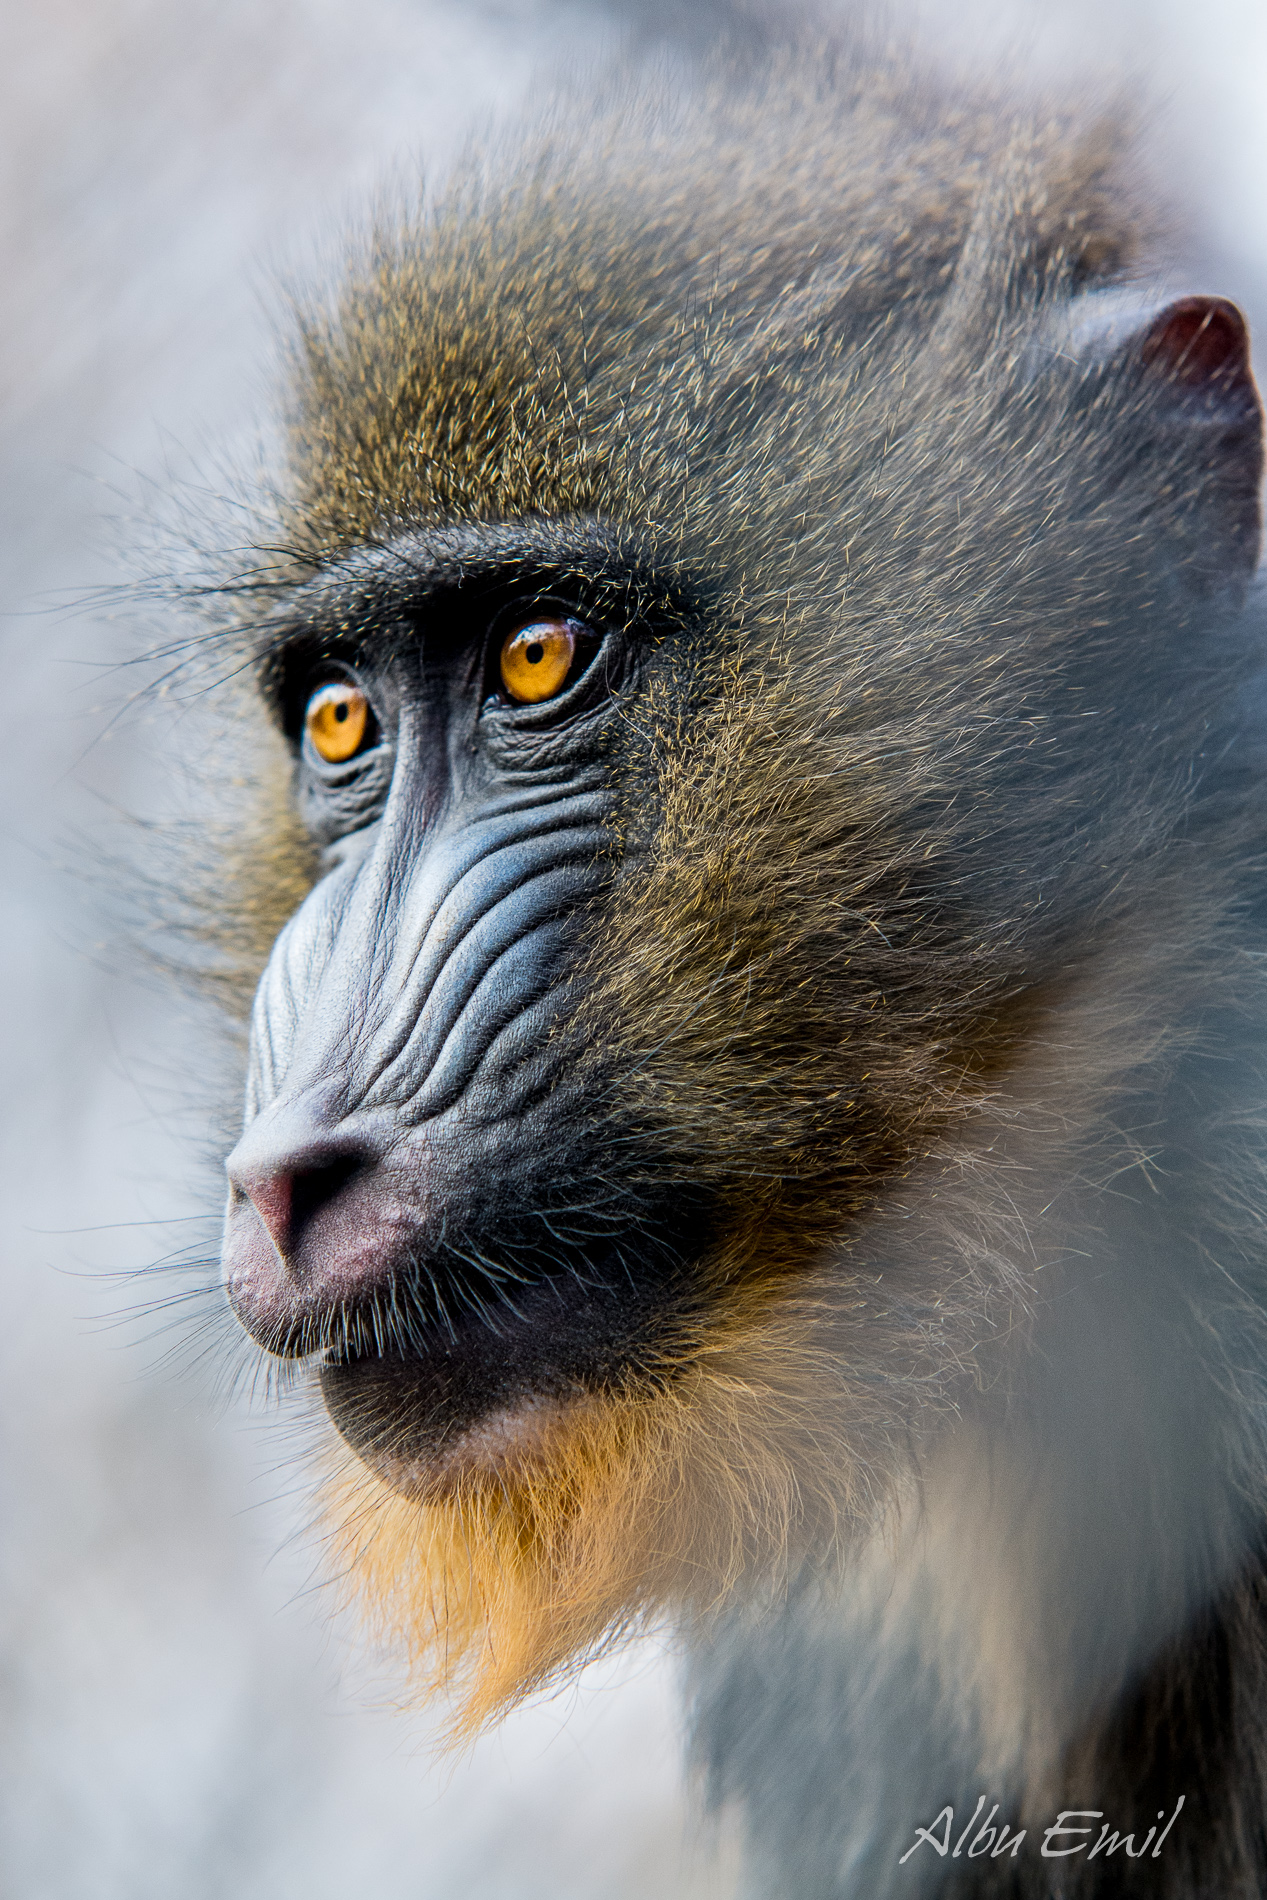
[[286, 1201], [290, 1165], [311, 1189], [272, 1197]]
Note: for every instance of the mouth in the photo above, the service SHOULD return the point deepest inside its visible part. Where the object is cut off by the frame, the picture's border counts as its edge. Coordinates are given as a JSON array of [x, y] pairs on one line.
[[444, 1402], [388, 1413], [448, 1363]]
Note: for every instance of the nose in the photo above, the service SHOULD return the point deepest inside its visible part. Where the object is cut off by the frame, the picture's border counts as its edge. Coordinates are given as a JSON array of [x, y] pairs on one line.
[[304, 1230], [290, 1163]]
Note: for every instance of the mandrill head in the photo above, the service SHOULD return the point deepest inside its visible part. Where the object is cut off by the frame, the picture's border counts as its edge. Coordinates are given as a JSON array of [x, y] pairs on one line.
[[744, 624]]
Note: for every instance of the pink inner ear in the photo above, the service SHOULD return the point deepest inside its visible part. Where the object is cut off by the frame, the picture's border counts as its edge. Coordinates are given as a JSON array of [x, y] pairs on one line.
[[1198, 341]]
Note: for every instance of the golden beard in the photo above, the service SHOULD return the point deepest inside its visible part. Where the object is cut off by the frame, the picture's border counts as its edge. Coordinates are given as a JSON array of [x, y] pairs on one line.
[[559, 1528]]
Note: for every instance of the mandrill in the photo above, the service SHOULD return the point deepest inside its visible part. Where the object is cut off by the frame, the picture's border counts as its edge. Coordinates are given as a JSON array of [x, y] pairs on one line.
[[756, 1112]]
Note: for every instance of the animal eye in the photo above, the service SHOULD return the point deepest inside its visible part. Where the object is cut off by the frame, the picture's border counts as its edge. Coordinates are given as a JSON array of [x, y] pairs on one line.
[[336, 720], [537, 658]]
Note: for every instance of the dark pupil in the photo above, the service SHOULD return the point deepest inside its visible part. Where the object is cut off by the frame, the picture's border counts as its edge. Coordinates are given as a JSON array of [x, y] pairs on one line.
[[535, 653], [341, 710]]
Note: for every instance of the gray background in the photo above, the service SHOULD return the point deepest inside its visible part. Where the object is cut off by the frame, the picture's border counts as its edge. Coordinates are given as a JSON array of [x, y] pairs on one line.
[[179, 1714]]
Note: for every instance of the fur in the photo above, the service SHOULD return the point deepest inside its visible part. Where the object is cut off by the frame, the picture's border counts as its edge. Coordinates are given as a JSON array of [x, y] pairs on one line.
[[931, 956]]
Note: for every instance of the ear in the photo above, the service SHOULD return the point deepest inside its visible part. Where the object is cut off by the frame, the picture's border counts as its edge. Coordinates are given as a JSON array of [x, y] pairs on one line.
[[1195, 422], [1196, 352]]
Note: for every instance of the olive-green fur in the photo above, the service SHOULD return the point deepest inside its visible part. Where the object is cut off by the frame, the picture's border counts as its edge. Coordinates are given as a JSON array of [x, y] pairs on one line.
[[650, 320]]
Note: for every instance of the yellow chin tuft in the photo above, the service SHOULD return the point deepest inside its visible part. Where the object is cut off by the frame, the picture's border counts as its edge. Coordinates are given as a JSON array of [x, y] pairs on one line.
[[562, 1527]]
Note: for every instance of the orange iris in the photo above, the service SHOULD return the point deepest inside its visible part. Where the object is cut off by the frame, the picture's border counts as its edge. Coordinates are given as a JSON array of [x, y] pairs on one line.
[[335, 720], [537, 658]]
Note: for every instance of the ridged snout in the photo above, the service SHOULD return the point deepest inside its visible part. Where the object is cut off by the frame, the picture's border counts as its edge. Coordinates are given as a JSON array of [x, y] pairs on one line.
[[406, 1011]]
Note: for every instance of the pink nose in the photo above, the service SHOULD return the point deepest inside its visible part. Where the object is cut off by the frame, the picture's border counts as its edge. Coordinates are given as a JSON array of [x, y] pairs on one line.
[[293, 1158], [309, 1221], [272, 1196]]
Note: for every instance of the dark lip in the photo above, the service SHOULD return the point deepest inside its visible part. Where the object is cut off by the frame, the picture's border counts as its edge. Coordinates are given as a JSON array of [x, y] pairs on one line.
[[375, 1265], [419, 1252], [424, 1420], [504, 1444], [480, 1393], [415, 1364]]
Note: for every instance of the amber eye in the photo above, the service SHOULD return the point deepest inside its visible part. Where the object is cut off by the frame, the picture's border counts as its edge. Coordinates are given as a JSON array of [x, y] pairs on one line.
[[537, 658], [335, 720]]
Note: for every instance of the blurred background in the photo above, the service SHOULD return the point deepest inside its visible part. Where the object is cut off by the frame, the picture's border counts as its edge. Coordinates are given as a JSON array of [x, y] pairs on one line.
[[179, 1715]]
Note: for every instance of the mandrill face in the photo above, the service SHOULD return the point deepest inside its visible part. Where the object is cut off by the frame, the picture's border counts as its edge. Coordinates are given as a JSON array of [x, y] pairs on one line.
[[430, 1194], [740, 695]]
